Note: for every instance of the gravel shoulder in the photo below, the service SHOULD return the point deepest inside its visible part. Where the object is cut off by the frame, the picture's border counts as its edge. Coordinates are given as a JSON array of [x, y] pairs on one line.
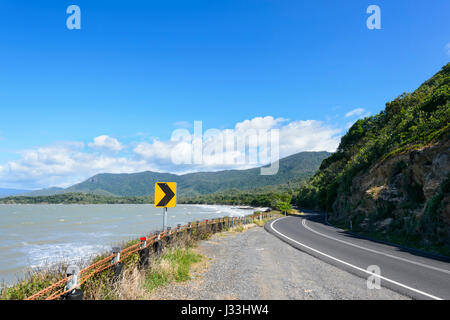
[[255, 265]]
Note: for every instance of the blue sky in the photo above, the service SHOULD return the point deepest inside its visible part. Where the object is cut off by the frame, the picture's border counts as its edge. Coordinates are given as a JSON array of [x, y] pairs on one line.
[[137, 70]]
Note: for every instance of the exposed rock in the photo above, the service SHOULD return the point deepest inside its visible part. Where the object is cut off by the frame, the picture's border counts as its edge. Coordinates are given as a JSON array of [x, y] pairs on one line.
[[399, 188], [385, 222]]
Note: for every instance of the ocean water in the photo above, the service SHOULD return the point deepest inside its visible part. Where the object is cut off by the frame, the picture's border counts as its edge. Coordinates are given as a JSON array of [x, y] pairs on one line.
[[39, 235]]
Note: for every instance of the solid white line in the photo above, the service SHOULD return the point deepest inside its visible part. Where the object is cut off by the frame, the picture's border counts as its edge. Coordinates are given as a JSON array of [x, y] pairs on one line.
[[374, 251], [353, 266]]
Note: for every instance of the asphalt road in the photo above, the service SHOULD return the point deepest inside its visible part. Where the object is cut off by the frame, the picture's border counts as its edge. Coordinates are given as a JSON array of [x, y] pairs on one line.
[[410, 272], [256, 265]]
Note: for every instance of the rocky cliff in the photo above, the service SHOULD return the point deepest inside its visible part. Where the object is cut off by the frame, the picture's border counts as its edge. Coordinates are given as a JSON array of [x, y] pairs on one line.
[[390, 173], [406, 193]]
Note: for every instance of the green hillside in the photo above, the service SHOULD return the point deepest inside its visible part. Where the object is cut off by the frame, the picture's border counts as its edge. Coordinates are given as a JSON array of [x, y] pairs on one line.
[[296, 169], [390, 172]]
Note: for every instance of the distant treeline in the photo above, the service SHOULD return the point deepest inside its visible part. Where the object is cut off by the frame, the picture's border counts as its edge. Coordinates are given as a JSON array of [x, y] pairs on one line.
[[264, 197], [76, 198], [237, 197]]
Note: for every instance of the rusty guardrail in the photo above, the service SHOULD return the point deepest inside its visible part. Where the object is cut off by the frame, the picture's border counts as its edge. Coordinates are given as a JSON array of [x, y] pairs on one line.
[[69, 287]]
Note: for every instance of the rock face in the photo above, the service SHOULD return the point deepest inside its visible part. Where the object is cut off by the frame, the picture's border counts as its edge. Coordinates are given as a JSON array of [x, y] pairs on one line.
[[398, 190], [393, 165]]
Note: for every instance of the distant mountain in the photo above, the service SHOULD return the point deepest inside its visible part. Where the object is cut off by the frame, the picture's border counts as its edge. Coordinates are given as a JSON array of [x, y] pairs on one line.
[[294, 169], [5, 192], [44, 192]]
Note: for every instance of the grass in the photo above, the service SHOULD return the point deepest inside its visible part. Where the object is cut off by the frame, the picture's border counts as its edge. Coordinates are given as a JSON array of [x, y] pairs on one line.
[[35, 281], [264, 221], [173, 266]]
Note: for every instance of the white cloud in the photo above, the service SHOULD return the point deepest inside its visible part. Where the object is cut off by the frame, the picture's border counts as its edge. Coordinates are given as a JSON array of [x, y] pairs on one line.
[[294, 136], [155, 150], [106, 142], [355, 112], [64, 164], [265, 123], [309, 135]]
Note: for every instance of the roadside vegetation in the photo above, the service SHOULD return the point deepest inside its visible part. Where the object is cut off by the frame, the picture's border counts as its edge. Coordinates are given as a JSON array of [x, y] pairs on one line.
[[411, 121], [262, 222]]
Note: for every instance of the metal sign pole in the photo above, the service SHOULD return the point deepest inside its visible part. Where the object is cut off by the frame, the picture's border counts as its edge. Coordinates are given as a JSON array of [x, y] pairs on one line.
[[165, 219]]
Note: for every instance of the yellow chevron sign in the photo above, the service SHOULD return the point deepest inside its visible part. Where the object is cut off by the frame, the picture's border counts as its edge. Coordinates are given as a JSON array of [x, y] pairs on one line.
[[165, 194]]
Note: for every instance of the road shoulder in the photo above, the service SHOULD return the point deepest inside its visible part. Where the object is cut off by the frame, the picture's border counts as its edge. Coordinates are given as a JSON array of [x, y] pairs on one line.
[[256, 265]]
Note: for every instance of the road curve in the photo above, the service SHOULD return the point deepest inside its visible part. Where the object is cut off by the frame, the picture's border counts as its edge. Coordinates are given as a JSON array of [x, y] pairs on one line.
[[410, 272]]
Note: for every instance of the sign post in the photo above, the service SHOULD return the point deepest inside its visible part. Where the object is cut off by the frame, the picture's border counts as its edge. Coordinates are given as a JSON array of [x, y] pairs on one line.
[[165, 197]]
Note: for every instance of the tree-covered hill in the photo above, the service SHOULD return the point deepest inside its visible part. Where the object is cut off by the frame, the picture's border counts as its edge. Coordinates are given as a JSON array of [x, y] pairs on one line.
[[234, 187], [296, 169], [390, 171]]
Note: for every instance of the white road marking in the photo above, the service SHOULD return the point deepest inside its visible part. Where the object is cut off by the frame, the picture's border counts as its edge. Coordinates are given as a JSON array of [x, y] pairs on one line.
[[353, 266], [375, 251]]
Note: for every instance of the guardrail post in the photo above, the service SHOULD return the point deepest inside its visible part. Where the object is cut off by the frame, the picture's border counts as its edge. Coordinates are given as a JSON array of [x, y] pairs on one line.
[[197, 228], [118, 266], [144, 253], [157, 245], [189, 230], [214, 226], [178, 230], [73, 284], [169, 235]]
